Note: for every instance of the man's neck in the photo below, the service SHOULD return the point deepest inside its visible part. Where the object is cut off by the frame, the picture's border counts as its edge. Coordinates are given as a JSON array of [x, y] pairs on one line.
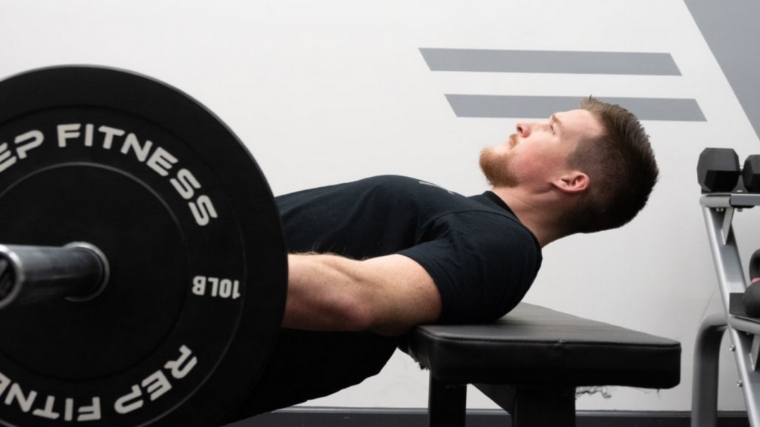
[[535, 212]]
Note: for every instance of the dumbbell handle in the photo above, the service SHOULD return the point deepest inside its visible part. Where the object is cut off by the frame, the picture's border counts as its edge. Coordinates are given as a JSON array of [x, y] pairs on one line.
[[32, 274]]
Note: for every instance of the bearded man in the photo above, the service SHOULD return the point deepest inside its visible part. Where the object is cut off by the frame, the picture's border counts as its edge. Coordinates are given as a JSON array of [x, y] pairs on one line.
[[371, 259]]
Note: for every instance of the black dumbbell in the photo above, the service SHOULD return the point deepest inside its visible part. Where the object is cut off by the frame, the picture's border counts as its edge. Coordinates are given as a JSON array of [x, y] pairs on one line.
[[751, 299], [718, 170], [751, 174]]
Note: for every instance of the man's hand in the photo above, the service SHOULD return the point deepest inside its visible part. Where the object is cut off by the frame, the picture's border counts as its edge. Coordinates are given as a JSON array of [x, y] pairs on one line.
[[387, 295]]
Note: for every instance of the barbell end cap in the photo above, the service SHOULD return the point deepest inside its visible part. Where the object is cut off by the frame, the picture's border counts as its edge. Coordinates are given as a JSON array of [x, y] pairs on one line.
[[11, 276]]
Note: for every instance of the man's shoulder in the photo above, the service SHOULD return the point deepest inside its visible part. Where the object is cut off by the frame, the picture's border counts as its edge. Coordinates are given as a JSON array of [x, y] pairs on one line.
[[383, 181], [401, 187], [396, 180]]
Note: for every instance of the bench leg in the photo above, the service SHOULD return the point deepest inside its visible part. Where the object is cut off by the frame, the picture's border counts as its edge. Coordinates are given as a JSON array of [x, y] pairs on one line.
[[704, 397], [534, 406], [544, 407], [447, 404]]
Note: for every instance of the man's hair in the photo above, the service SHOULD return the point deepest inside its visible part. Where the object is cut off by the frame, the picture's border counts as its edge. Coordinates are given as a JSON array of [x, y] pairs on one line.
[[621, 167]]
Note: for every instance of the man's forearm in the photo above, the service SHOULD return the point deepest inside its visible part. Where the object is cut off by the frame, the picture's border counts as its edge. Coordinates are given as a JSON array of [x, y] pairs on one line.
[[387, 295], [324, 293]]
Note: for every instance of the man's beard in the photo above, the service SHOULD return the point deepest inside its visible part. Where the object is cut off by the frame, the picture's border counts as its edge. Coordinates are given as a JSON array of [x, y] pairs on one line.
[[495, 167]]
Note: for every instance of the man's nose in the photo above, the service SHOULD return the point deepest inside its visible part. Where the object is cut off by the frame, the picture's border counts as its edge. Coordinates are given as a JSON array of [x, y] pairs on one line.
[[523, 129]]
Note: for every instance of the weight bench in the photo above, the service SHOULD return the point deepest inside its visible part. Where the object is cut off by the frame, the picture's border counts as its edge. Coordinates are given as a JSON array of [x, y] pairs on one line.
[[530, 362]]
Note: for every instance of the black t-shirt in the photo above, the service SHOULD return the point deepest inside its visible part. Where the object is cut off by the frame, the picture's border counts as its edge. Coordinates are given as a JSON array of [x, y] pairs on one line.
[[481, 258]]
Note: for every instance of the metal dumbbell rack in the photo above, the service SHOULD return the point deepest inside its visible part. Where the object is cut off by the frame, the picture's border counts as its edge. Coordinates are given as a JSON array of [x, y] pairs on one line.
[[719, 210]]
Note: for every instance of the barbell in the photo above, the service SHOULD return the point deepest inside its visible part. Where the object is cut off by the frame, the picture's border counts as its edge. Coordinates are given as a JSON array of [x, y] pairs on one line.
[[143, 270]]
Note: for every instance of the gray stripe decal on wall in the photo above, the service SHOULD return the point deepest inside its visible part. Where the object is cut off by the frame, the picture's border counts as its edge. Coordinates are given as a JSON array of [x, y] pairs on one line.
[[498, 106], [528, 61], [731, 31]]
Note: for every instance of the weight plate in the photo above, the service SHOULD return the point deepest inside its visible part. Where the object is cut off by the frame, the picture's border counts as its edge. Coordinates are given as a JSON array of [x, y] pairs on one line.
[[192, 235]]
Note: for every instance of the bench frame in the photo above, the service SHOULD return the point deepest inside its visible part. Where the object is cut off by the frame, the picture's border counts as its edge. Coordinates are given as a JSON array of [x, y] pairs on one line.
[[530, 362], [528, 406]]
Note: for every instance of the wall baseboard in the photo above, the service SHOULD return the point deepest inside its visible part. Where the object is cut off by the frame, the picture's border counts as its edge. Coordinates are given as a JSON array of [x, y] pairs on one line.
[[382, 417]]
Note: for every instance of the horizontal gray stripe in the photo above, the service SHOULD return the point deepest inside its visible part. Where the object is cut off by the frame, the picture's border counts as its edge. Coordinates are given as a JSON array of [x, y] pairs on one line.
[[540, 61], [544, 106]]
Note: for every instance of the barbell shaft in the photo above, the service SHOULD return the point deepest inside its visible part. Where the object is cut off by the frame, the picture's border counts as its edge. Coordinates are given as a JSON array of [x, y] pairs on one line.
[[34, 274]]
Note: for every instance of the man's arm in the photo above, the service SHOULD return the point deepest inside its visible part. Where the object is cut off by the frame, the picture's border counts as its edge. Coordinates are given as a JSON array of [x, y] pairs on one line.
[[387, 295]]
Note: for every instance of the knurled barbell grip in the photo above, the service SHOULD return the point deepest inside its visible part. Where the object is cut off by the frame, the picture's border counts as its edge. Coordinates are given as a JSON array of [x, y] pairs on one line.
[[31, 274]]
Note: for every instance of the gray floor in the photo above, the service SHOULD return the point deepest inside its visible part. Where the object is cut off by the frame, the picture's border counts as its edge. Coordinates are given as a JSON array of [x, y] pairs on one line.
[[354, 417]]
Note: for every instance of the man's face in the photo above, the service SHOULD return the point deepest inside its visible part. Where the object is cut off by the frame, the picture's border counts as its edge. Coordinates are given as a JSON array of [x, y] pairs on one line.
[[537, 153]]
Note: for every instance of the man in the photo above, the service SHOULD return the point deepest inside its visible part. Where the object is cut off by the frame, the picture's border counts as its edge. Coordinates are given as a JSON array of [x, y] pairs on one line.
[[373, 258]]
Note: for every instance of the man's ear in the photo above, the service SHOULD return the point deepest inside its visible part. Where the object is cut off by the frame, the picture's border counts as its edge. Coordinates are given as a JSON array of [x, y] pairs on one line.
[[573, 182]]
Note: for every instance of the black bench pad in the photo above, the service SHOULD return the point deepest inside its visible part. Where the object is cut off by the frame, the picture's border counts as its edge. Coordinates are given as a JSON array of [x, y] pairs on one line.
[[537, 346]]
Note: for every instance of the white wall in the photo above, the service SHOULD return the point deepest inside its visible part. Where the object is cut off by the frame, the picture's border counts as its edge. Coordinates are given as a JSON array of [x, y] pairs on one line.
[[325, 92]]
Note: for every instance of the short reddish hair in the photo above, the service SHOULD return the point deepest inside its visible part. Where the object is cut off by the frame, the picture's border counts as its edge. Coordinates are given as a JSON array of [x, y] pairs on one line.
[[621, 167]]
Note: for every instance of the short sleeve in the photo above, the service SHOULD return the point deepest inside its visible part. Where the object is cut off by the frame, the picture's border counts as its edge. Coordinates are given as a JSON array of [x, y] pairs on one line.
[[482, 263]]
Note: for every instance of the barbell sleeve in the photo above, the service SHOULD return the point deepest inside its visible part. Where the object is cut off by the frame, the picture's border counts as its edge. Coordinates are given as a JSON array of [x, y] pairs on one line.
[[32, 274]]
